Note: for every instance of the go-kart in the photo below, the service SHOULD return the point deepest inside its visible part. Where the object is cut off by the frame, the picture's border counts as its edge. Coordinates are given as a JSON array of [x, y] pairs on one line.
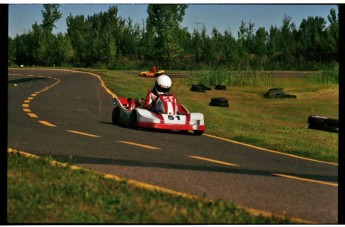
[[166, 114], [151, 74]]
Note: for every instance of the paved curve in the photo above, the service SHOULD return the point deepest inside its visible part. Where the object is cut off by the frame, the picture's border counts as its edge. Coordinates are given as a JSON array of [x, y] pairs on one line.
[[68, 115]]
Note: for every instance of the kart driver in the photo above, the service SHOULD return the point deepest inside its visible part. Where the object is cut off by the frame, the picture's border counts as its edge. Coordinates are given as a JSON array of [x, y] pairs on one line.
[[153, 69], [162, 87]]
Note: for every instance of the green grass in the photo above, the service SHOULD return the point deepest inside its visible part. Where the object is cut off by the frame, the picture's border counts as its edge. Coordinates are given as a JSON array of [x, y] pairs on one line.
[[38, 192], [278, 124]]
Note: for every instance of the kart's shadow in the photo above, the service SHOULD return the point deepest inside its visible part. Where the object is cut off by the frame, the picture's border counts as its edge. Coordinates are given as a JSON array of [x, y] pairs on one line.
[[178, 166], [151, 130]]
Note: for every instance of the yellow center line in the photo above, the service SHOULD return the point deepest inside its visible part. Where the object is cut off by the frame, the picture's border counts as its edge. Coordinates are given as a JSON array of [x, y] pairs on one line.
[[26, 110], [32, 115], [27, 101], [306, 179], [214, 161], [82, 133], [25, 105], [29, 98], [139, 145], [33, 95], [47, 123]]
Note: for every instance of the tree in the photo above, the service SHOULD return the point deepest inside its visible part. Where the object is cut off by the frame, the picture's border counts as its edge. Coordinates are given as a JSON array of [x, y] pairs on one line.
[[51, 14], [332, 43], [260, 42], [163, 21], [11, 51], [64, 52], [312, 37]]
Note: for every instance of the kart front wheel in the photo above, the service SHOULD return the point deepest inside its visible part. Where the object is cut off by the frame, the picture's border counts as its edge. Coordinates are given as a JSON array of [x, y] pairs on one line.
[[116, 115], [198, 132], [133, 120]]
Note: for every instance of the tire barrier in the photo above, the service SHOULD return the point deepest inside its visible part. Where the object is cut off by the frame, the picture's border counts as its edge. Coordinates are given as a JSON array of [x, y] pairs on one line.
[[221, 102], [323, 123], [220, 87], [278, 93], [197, 88]]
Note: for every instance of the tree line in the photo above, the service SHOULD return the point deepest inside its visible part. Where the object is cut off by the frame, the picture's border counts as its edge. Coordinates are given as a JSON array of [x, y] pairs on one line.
[[106, 40]]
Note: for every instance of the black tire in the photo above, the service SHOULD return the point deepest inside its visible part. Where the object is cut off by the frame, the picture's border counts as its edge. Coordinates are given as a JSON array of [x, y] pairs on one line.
[[133, 118], [323, 123], [316, 120], [220, 104], [220, 87], [219, 100], [275, 93], [198, 132], [116, 115], [197, 88], [332, 122]]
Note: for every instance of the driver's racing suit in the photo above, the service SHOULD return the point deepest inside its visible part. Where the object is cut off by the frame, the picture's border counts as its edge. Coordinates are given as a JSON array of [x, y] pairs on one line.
[[150, 99]]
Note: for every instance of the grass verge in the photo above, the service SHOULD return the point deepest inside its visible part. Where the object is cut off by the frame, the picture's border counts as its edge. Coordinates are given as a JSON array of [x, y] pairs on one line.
[[39, 192]]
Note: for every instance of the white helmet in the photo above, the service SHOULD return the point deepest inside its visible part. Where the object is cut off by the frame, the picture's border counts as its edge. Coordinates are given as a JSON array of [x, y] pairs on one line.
[[163, 84]]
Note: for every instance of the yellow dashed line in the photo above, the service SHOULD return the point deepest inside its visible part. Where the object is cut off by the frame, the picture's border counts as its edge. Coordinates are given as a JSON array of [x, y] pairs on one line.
[[139, 145], [47, 123], [83, 133], [306, 179], [214, 161], [25, 105], [32, 115]]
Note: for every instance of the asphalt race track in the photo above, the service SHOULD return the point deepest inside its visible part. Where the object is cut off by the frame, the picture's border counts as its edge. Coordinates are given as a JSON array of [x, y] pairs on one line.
[[67, 115]]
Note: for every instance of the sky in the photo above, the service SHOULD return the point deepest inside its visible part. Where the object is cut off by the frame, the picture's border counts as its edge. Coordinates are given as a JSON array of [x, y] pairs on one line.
[[220, 16]]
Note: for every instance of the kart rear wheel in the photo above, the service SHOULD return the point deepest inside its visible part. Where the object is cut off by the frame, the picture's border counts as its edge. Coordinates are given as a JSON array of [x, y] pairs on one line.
[[198, 132], [116, 115], [133, 120]]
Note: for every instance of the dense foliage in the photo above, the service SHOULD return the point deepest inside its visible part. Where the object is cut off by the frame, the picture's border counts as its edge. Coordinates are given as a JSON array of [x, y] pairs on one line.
[[106, 40]]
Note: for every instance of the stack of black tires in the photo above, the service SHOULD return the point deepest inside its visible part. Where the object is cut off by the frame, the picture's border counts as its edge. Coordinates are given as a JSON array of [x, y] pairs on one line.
[[277, 93], [222, 102], [323, 123], [199, 88]]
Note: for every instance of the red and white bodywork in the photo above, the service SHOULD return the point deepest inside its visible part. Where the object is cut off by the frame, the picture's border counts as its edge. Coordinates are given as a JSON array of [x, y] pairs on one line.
[[167, 114]]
